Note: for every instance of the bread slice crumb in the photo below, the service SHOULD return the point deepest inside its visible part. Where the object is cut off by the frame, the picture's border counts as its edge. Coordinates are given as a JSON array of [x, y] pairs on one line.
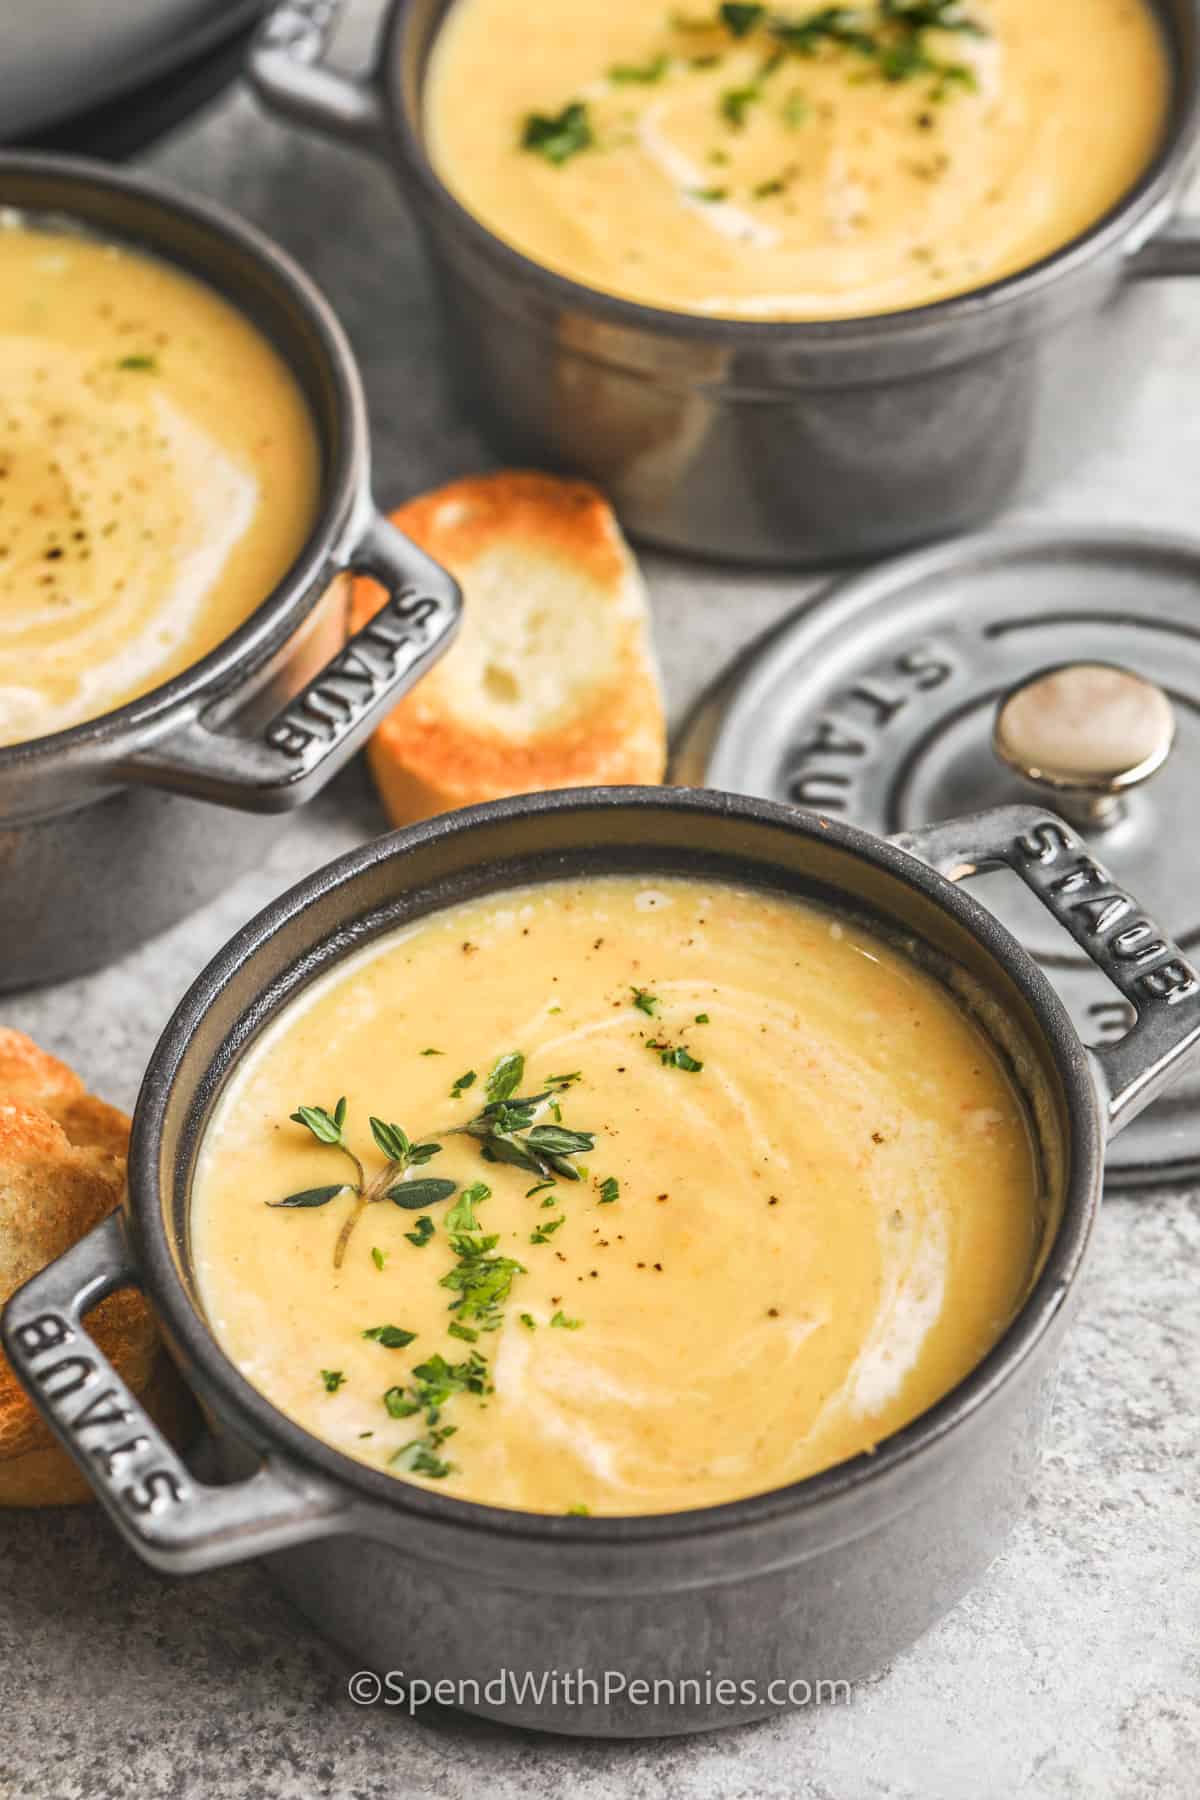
[[552, 681]]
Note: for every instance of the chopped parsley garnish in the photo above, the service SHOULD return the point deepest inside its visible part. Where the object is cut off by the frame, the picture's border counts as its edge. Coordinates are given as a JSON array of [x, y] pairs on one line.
[[148, 365], [644, 73], [423, 1232], [420, 1455], [560, 1318], [461, 1216], [579, 1510], [378, 1257], [741, 20], [702, 1018], [392, 1337], [333, 1379], [558, 136], [736, 103], [540, 1187], [644, 1000], [433, 1053], [481, 1280], [462, 1331], [433, 1383], [674, 1056], [610, 1189], [528, 1320], [462, 1084], [546, 1230]]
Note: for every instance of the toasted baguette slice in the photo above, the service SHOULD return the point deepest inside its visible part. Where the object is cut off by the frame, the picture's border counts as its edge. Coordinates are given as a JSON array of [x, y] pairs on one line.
[[62, 1170], [552, 681]]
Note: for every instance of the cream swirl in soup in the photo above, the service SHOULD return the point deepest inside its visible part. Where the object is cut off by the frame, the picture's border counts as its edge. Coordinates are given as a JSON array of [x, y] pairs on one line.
[[801, 162], [158, 474], [643, 1194]]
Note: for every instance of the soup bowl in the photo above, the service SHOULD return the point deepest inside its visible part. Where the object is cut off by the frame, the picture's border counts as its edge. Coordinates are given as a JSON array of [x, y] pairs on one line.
[[730, 1609], [112, 830], [787, 442]]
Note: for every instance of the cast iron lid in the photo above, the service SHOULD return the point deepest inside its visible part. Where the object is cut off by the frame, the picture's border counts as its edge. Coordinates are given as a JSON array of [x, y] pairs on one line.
[[107, 75], [1064, 666]]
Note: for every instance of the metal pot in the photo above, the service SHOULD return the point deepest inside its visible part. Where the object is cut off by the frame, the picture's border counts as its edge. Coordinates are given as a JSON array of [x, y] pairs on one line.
[[780, 442], [822, 1580], [103, 837]]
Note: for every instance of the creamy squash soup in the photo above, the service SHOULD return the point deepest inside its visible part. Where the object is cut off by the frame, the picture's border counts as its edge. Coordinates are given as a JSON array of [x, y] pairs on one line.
[[798, 162], [158, 474], [618, 1196]]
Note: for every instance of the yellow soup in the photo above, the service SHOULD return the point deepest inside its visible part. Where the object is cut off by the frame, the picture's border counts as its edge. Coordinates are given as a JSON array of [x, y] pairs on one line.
[[158, 474], [805, 1200], [793, 163]]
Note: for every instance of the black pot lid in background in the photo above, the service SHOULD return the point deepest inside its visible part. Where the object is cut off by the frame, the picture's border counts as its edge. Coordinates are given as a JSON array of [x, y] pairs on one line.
[[107, 76], [876, 704]]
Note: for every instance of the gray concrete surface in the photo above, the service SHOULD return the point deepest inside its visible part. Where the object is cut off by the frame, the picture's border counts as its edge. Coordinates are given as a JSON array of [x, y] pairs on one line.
[[1072, 1671]]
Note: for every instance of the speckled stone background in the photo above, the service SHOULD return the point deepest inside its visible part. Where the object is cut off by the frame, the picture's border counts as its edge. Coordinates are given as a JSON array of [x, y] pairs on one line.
[[1073, 1670]]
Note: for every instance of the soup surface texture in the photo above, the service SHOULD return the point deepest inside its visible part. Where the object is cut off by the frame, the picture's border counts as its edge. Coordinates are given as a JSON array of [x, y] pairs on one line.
[[793, 163], [806, 1203], [159, 474]]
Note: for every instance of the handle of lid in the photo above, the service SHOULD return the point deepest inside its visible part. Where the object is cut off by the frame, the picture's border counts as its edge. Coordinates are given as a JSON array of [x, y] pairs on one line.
[[1108, 925], [1085, 733], [287, 71]]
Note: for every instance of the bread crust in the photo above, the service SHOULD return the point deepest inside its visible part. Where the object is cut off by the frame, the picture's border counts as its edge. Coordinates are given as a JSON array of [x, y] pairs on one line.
[[429, 757]]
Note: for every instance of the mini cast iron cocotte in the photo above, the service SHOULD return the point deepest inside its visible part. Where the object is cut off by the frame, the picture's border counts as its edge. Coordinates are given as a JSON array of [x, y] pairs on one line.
[[821, 1580], [113, 829], [779, 442]]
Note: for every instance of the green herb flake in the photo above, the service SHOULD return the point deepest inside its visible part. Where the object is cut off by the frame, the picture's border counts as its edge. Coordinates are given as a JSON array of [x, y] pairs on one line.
[[610, 1189], [144, 364], [560, 1318], [546, 1230], [462, 1331], [423, 1232], [433, 1053], [702, 1018], [579, 1511], [735, 103], [741, 20], [558, 136], [333, 1380], [529, 1322], [462, 1084], [378, 1257], [641, 73], [644, 1000], [392, 1337], [461, 1216], [419, 1456]]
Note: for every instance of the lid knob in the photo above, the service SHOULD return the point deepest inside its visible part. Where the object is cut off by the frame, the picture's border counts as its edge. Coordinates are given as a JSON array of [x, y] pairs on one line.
[[1087, 732]]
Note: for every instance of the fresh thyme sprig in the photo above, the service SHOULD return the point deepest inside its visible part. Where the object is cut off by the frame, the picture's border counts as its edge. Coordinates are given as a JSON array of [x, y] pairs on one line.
[[506, 1131], [329, 1128]]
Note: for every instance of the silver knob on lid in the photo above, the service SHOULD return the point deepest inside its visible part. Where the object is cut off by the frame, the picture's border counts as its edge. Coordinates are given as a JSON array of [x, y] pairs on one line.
[[1086, 732]]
